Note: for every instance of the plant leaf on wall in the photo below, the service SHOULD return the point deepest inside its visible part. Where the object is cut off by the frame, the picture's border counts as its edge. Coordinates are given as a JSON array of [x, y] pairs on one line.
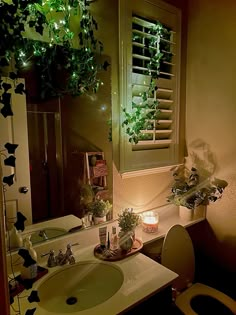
[[9, 180], [10, 161], [11, 147], [33, 297], [20, 221], [30, 311]]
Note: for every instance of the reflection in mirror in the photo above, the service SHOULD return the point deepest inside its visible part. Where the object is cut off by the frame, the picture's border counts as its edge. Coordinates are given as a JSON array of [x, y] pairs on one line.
[[60, 132], [70, 156]]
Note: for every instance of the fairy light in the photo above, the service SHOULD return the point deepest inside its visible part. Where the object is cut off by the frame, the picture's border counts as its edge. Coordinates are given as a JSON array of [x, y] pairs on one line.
[[21, 53]]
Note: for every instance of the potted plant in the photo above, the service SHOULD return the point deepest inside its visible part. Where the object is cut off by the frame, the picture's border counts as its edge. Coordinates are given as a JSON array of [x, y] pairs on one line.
[[99, 209], [127, 221], [191, 191]]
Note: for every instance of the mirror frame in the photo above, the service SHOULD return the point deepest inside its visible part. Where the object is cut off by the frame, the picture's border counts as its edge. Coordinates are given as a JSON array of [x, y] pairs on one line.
[[4, 305]]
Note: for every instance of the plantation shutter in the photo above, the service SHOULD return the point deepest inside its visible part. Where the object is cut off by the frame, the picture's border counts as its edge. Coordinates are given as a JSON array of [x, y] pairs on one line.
[[159, 132], [158, 143]]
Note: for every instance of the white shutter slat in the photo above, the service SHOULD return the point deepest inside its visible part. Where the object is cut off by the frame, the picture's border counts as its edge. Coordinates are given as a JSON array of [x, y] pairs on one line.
[[147, 70], [163, 95]]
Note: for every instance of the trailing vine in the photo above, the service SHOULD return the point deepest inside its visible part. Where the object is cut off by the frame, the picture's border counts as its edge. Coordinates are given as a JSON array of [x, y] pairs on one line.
[[61, 52], [142, 115]]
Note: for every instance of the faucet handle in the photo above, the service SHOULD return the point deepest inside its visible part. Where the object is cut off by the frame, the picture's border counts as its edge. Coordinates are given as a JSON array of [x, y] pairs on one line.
[[51, 259], [74, 244], [45, 254]]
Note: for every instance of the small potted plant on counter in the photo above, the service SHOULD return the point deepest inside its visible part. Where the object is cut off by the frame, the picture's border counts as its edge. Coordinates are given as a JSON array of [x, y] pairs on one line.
[[99, 209], [127, 221], [191, 191]]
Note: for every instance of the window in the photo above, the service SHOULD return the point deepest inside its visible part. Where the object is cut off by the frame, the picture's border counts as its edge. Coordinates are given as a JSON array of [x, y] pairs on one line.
[[157, 143]]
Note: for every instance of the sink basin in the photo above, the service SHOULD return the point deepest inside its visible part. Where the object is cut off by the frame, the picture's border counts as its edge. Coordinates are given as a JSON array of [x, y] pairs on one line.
[[46, 233], [80, 286]]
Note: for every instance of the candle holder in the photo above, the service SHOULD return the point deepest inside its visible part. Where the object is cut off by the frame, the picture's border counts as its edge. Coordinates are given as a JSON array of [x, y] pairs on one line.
[[150, 221]]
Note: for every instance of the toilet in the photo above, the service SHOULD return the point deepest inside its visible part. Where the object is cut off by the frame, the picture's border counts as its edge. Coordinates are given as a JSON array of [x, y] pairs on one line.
[[191, 298]]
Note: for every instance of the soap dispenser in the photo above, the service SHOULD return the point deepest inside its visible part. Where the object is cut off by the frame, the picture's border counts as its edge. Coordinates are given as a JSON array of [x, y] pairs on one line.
[[29, 269], [14, 238], [32, 251]]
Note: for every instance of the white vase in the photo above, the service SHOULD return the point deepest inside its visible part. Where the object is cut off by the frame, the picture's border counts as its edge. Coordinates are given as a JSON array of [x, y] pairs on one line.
[[186, 214], [98, 220], [192, 214], [14, 239]]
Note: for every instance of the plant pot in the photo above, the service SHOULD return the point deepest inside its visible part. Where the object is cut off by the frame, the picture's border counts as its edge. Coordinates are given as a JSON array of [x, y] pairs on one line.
[[98, 220], [186, 214], [192, 214], [126, 240]]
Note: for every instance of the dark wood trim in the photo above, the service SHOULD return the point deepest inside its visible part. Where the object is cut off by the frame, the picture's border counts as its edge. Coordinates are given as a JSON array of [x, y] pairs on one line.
[[4, 299]]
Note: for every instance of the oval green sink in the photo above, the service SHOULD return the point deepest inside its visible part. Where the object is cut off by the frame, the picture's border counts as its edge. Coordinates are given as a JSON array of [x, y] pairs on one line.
[[48, 233], [78, 287]]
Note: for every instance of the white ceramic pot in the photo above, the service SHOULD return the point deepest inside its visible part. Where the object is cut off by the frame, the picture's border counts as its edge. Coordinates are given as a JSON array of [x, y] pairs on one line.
[[186, 214], [98, 220], [192, 214]]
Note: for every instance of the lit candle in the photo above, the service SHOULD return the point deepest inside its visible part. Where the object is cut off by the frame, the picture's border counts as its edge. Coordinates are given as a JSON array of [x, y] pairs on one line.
[[150, 222]]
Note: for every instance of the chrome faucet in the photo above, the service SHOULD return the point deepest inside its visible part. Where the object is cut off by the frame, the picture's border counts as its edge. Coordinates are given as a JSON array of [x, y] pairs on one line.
[[61, 259], [43, 234]]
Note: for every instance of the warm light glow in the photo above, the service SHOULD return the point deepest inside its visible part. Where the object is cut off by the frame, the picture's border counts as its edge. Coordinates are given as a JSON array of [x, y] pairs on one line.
[[150, 222]]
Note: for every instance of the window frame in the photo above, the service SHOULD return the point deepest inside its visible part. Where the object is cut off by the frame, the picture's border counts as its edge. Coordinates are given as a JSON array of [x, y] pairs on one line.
[[145, 161]]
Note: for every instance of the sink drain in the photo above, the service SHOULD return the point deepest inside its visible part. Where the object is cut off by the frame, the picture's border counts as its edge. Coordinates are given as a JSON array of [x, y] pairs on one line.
[[71, 300]]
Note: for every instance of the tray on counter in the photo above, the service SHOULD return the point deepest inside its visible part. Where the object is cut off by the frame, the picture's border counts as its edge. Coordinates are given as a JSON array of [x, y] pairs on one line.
[[118, 254]]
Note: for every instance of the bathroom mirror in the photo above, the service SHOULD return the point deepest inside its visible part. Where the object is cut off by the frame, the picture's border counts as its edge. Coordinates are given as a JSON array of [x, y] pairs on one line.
[[60, 131]]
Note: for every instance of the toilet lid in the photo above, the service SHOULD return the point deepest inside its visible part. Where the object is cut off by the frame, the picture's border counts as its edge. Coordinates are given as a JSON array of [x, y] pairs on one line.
[[178, 256]]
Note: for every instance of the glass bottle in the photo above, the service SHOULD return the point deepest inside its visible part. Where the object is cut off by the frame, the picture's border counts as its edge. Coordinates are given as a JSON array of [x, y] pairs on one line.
[[114, 239]]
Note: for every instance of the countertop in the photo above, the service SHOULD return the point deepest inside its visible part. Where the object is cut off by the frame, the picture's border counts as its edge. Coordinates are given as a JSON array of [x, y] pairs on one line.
[[142, 275]]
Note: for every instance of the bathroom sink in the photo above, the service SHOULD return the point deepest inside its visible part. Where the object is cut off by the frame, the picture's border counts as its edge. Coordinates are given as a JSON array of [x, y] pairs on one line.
[[46, 234], [80, 286]]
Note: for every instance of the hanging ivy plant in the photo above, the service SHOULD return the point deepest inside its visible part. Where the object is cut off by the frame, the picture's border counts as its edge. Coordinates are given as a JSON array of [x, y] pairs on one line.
[[143, 114], [65, 59]]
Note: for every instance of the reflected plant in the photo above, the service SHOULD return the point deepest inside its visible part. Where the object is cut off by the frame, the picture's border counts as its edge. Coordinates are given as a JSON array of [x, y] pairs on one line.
[[99, 207]]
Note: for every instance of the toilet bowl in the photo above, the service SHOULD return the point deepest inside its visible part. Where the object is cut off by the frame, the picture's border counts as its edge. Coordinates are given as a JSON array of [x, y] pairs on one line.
[[192, 299]]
